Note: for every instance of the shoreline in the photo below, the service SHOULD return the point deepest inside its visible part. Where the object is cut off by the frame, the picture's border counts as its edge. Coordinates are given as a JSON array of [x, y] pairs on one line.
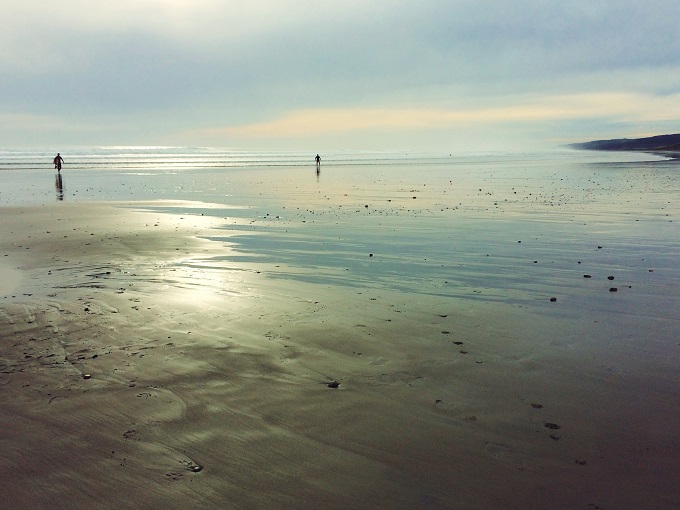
[[210, 386]]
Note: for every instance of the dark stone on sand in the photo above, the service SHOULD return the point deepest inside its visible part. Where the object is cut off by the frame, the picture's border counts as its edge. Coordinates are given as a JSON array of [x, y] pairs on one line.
[[587, 276], [553, 299], [333, 384], [551, 426], [445, 332], [610, 277], [537, 406], [555, 437], [580, 462], [195, 468], [613, 289]]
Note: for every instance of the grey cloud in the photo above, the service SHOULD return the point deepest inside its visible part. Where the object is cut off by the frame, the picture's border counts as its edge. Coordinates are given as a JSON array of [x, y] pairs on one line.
[[241, 66]]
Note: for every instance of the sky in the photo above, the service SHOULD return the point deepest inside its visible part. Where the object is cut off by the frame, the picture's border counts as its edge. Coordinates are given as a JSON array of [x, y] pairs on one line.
[[351, 74]]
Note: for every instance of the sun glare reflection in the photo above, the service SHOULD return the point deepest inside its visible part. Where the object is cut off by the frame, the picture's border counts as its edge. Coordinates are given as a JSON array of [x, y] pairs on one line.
[[205, 284]]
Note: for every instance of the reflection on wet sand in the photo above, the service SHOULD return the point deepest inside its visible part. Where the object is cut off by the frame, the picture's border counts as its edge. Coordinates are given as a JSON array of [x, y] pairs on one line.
[[59, 186]]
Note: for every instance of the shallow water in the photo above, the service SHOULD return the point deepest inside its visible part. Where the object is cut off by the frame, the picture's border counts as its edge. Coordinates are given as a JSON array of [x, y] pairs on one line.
[[515, 228]]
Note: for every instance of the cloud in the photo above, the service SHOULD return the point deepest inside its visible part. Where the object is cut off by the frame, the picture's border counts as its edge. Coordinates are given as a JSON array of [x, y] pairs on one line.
[[264, 68], [624, 107]]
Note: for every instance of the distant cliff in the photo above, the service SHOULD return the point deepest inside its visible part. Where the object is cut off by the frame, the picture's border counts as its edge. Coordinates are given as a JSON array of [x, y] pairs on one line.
[[660, 143]]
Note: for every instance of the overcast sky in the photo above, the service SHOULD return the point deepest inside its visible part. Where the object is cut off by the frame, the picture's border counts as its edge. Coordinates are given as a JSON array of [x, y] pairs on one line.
[[326, 74]]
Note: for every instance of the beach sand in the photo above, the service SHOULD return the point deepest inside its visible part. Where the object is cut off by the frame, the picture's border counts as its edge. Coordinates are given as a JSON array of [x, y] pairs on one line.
[[134, 376]]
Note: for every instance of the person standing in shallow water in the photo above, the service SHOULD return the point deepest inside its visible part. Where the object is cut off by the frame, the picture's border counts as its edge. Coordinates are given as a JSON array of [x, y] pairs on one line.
[[58, 160], [318, 162]]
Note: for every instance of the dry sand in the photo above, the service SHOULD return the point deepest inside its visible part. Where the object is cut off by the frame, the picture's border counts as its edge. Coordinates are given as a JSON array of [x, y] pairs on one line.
[[134, 376]]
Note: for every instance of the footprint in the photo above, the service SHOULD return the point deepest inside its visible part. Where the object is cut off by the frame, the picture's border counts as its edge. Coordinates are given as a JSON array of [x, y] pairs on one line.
[[129, 434], [173, 477]]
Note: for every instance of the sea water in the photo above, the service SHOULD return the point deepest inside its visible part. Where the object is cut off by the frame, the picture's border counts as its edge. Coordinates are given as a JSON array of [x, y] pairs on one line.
[[484, 227]]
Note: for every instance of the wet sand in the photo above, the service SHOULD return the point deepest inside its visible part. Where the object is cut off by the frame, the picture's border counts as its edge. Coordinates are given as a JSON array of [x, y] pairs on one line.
[[135, 375]]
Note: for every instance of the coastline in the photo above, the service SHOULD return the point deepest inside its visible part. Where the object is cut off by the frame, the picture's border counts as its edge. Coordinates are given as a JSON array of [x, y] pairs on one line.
[[154, 380]]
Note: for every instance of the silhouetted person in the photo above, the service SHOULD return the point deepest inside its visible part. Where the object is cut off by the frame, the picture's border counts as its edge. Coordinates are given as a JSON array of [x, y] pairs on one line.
[[58, 160], [318, 162]]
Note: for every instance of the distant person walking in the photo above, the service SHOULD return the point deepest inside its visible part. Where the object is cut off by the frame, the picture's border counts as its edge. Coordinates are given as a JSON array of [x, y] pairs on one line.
[[58, 160], [318, 162]]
